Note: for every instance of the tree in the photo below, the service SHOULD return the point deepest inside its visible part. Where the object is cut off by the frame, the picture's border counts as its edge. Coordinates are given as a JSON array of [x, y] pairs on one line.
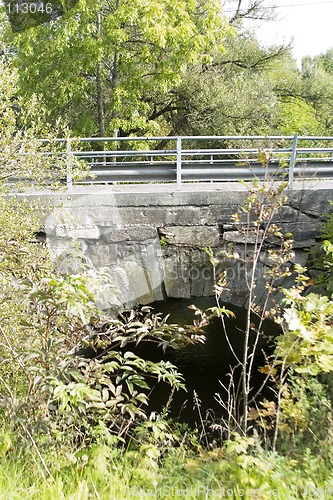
[[233, 94], [248, 10], [303, 97], [98, 65], [317, 82], [326, 60], [25, 158], [230, 96]]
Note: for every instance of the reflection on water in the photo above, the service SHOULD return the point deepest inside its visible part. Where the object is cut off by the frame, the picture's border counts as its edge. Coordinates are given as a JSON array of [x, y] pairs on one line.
[[205, 365]]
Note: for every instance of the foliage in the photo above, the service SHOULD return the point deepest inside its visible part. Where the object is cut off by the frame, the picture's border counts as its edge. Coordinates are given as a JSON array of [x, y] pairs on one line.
[[52, 383], [254, 90], [233, 94], [301, 373], [23, 156], [110, 68], [51, 392], [308, 342], [242, 468], [257, 227], [296, 116], [306, 417], [303, 352], [49, 322], [322, 256], [74, 390], [99, 64]]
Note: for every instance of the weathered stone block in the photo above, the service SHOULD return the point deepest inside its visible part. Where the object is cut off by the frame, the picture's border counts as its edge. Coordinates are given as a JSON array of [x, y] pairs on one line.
[[120, 284], [239, 237], [304, 244], [161, 216], [184, 266], [171, 278], [303, 230], [300, 257], [291, 214], [140, 281], [102, 255], [192, 236], [129, 233], [129, 250], [311, 201], [87, 232], [201, 274]]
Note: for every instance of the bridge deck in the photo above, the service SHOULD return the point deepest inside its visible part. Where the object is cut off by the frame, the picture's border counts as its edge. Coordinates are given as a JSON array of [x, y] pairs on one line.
[[188, 187]]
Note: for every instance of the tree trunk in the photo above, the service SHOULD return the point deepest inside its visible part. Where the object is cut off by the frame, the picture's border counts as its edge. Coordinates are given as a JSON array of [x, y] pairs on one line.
[[114, 86], [100, 102], [100, 95]]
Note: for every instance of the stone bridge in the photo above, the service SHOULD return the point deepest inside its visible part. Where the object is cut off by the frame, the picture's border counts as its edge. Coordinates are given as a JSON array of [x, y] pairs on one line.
[[148, 240]]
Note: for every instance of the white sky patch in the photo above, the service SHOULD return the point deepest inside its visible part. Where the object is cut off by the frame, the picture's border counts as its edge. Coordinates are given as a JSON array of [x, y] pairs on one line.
[[308, 23]]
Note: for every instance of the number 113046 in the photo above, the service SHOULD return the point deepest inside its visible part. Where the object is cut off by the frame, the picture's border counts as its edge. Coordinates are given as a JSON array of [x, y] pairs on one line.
[[29, 8]]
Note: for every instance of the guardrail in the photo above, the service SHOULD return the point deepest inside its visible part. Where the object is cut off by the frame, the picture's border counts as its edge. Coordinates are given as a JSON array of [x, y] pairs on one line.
[[145, 159]]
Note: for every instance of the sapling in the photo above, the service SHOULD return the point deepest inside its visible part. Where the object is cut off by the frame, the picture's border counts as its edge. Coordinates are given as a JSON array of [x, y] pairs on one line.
[[256, 222]]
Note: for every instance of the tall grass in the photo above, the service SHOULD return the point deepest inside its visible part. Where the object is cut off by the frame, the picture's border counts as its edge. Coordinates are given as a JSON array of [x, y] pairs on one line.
[[239, 469]]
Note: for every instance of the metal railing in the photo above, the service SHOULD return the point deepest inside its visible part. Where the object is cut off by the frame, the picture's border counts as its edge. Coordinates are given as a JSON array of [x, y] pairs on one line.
[[220, 158]]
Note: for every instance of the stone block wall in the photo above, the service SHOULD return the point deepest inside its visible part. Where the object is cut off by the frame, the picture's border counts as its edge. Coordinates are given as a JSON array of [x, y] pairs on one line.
[[151, 243]]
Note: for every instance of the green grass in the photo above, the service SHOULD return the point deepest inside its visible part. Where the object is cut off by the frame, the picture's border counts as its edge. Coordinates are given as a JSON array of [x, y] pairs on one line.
[[240, 469]]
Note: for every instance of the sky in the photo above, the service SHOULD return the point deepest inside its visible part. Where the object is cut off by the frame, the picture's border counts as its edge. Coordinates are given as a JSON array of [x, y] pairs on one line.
[[308, 22]]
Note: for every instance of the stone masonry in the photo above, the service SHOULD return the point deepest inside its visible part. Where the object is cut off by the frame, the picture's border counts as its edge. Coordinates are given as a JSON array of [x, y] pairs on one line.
[[149, 240]]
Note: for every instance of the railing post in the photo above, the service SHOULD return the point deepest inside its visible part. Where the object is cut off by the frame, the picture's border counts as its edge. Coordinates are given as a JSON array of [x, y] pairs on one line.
[[179, 162], [69, 180], [292, 162]]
